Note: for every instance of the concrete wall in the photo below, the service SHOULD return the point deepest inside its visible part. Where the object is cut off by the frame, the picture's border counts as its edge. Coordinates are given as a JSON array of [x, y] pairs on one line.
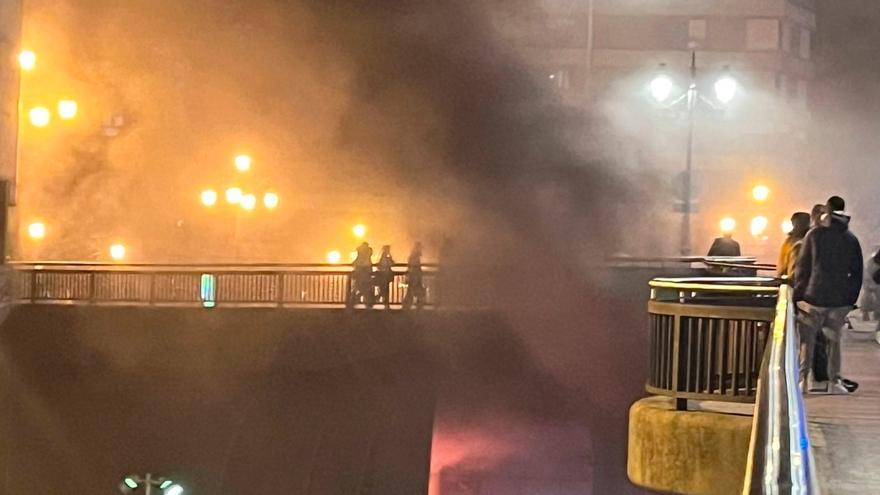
[[10, 32]]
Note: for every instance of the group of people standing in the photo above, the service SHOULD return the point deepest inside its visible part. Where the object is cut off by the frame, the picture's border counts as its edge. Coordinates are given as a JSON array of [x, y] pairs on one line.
[[823, 262], [371, 283]]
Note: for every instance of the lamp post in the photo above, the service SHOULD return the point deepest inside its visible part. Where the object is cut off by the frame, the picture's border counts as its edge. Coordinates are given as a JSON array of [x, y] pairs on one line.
[[132, 483], [661, 88]]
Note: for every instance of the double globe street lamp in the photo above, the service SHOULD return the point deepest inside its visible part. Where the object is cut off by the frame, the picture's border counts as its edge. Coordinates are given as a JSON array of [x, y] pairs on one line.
[[662, 89], [161, 486]]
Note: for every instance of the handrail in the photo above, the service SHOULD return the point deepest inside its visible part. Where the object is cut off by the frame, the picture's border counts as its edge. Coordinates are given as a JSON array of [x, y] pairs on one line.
[[780, 457]]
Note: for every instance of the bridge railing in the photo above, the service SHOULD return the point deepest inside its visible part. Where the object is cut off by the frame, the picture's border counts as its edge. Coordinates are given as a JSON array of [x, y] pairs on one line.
[[708, 336], [303, 285]]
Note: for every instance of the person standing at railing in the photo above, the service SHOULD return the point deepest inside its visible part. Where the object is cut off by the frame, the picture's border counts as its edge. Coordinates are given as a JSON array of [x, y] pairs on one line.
[[870, 301], [362, 277], [415, 284], [827, 282], [725, 246], [791, 248], [384, 276]]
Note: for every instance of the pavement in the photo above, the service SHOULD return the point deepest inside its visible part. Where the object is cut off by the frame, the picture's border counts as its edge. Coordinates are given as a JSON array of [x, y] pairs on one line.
[[845, 430]]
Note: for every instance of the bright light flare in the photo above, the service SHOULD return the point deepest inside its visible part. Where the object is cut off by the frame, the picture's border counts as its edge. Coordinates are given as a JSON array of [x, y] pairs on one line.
[[334, 257], [661, 88], [117, 252], [359, 230], [270, 200], [234, 195], [728, 225], [174, 490], [787, 226], [37, 230], [761, 193], [209, 197], [759, 225], [249, 202], [243, 163], [40, 116], [27, 60], [726, 89], [67, 109]]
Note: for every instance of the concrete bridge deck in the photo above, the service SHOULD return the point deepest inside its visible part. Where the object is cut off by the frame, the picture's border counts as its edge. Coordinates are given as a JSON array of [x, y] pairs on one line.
[[845, 430]]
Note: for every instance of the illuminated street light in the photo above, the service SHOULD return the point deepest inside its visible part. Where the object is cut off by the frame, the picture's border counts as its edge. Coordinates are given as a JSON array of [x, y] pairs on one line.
[[209, 197], [243, 163], [270, 200], [761, 193], [40, 116], [359, 231], [37, 230], [132, 482], [787, 226], [117, 252], [334, 257], [759, 225], [725, 89], [27, 60], [174, 490], [248, 202], [233, 195], [67, 109], [661, 88], [728, 225]]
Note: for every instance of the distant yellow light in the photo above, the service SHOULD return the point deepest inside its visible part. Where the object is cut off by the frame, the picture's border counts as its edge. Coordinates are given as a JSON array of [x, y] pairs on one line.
[[243, 163], [728, 225], [209, 197], [37, 230], [117, 252], [248, 202], [270, 200], [67, 109], [234, 195], [40, 116], [334, 257], [761, 192], [759, 225], [787, 226], [27, 60], [359, 231]]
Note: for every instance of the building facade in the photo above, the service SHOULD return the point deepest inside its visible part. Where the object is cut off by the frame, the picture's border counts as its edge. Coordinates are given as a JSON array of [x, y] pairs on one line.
[[602, 54]]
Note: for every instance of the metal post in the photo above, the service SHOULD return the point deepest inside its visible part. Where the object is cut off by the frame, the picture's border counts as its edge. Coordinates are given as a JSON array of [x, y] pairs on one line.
[[692, 97], [148, 484]]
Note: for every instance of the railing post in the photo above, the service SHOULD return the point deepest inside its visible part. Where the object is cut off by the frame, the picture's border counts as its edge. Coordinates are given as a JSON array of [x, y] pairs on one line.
[[680, 403], [152, 294], [279, 289], [92, 294]]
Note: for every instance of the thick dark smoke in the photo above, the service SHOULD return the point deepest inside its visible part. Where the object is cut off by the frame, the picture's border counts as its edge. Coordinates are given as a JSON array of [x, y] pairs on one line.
[[412, 108]]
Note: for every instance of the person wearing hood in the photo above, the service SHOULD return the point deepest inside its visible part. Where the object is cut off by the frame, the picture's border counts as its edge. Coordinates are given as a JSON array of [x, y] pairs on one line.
[[791, 248], [827, 283]]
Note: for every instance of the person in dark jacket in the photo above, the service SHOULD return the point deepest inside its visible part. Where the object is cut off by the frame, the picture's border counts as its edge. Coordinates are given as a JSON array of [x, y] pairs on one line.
[[791, 248], [827, 282], [415, 285], [725, 246], [384, 276]]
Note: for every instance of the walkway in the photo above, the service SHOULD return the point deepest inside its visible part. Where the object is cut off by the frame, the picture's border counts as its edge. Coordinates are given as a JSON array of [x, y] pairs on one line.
[[845, 430]]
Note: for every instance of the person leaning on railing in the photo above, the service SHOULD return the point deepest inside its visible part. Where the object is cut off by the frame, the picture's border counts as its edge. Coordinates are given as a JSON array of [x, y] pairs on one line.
[[827, 282]]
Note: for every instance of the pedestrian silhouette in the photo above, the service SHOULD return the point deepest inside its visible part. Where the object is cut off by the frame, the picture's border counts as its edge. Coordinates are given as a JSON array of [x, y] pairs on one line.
[[362, 277], [415, 285], [384, 276]]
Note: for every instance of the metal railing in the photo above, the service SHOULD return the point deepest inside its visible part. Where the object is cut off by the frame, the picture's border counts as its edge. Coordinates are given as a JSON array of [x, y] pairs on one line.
[[780, 456], [707, 337], [299, 285]]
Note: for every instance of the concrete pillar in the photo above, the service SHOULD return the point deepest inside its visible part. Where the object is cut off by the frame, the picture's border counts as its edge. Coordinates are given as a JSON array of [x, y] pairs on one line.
[[10, 45]]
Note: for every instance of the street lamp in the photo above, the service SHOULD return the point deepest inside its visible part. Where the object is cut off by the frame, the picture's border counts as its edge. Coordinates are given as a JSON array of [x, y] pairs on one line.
[[27, 60], [209, 197], [728, 225], [270, 200], [334, 257], [37, 230], [759, 225], [117, 252], [787, 226], [243, 163], [234, 195], [248, 202], [40, 116], [359, 230], [760, 193], [661, 89], [67, 109], [132, 483]]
